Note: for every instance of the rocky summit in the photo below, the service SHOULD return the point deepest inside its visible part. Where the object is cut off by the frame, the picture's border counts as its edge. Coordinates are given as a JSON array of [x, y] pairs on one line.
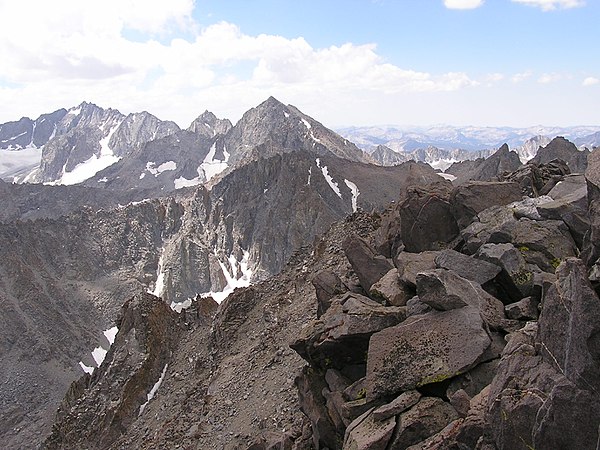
[[263, 286]]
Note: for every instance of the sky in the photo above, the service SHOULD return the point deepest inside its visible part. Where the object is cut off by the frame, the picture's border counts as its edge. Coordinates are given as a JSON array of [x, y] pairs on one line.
[[344, 62]]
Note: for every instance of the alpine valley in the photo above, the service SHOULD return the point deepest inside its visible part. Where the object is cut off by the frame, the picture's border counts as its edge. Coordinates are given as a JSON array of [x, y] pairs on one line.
[[271, 285]]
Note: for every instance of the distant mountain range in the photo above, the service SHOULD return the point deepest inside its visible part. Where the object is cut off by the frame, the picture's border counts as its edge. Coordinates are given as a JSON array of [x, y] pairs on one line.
[[444, 137]]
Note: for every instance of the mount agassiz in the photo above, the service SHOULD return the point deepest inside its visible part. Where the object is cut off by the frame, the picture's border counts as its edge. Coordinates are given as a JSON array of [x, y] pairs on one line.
[[123, 222]]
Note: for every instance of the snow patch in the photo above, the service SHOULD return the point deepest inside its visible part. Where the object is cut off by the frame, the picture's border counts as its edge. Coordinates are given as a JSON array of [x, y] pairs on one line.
[[164, 167], [332, 184], [154, 389], [14, 137], [212, 166], [182, 182], [309, 175], [442, 164], [159, 286], [142, 175], [355, 193], [110, 334], [93, 165], [103, 180], [99, 353], [309, 128], [232, 277], [286, 114], [180, 306], [447, 176], [86, 369]]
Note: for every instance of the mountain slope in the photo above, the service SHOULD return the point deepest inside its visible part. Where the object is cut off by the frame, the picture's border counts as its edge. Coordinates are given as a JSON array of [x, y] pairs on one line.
[[64, 278]]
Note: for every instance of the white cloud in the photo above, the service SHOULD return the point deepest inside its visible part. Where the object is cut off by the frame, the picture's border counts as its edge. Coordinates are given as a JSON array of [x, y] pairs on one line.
[[463, 4], [549, 5], [494, 77], [590, 81], [521, 76], [549, 78], [72, 51]]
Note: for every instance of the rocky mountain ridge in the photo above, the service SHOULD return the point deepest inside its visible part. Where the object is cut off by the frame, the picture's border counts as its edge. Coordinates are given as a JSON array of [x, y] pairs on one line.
[[84, 263], [449, 343], [205, 210]]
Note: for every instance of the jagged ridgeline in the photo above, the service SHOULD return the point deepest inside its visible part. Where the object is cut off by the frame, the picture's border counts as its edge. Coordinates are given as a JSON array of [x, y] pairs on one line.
[[388, 308]]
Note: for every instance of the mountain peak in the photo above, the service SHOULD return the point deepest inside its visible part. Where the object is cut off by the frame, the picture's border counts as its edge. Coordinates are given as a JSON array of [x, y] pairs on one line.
[[503, 149], [209, 125]]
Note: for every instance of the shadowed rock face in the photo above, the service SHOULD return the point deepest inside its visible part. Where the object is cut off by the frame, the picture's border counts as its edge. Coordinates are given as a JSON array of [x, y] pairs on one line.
[[26, 132], [148, 334], [560, 148], [504, 160]]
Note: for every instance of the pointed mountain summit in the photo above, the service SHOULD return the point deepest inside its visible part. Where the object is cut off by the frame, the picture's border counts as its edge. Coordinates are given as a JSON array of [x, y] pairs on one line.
[[561, 148], [282, 129], [504, 160], [208, 125]]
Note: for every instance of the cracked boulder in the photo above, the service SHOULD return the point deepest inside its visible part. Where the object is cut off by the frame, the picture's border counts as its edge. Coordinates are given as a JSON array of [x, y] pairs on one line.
[[444, 290], [425, 349], [517, 277], [543, 243], [426, 218], [466, 266], [391, 289], [341, 336], [473, 197], [366, 433], [327, 285], [545, 393], [429, 416], [368, 265]]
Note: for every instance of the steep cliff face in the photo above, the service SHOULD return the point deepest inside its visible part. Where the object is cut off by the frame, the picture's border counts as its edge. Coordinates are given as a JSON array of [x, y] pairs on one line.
[[88, 139], [30, 133]]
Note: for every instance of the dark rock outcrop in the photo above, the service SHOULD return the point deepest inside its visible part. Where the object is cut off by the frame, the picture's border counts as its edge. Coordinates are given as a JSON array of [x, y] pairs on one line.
[[467, 267], [341, 336], [368, 265], [560, 148], [535, 179], [491, 168], [148, 334], [473, 197], [427, 222], [447, 343]]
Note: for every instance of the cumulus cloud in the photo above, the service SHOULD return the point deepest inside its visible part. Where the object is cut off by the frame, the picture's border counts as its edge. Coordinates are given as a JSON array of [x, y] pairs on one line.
[[494, 77], [463, 4], [549, 5], [549, 78], [590, 81], [521, 76], [72, 51]]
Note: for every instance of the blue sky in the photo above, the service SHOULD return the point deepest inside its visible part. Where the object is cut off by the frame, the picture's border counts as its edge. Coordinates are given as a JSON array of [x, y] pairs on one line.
[[352, 62]]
